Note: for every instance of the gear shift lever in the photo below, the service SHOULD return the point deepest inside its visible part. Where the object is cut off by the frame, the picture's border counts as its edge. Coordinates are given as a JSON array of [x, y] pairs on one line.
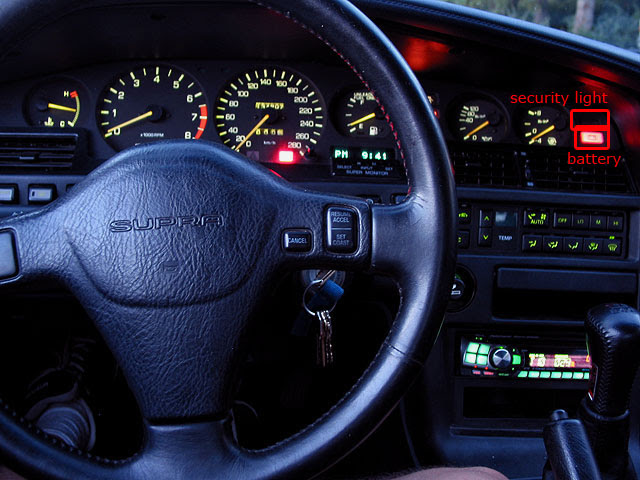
[[613, 335]]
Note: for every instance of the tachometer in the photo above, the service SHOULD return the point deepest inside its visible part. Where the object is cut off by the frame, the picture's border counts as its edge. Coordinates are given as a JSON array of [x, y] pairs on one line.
[[271, 115], [152, 103]]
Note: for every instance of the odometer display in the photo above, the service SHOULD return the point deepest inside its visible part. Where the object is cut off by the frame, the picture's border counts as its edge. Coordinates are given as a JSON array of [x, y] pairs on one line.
[[151, 103], [270, 115]]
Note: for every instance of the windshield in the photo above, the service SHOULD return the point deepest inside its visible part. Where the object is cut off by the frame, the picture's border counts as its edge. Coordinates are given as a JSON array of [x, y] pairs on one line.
[[611, 21]]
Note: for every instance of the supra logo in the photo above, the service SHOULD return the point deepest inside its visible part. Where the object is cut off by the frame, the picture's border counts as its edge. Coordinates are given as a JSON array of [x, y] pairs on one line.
[[118, 226]]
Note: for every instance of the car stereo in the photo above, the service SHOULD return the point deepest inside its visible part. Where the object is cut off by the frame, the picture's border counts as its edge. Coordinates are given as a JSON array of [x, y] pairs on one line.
[[520, 357]]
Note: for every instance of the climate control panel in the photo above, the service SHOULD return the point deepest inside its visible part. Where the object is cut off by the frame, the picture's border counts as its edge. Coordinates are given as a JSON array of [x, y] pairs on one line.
[[507, 229]]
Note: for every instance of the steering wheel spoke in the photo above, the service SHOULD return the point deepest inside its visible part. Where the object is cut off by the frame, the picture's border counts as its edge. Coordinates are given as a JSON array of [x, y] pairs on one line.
[[32, 247], [324, 231]]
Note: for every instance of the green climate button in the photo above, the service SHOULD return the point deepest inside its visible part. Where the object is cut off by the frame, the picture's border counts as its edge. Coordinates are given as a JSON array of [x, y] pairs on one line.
[[556, 374], [534, 374], [470, 358], [545, 374], [578, 375], [484, 349], [482, 359], [523, 374], [517, 359], [586, 376], [567, 375], [473, 347]]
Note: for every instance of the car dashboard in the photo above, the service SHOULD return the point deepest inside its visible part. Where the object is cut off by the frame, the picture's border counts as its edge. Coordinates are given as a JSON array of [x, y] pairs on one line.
[[540, 240]]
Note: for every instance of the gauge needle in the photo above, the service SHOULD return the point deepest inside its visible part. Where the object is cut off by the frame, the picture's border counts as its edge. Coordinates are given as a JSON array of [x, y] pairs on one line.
[[543, 132], [253, 130], [361, 120], [55, 106], [129, 122], [477, 129]]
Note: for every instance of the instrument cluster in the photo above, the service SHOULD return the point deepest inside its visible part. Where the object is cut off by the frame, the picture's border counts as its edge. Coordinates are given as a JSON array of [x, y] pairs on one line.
[[306, 117]]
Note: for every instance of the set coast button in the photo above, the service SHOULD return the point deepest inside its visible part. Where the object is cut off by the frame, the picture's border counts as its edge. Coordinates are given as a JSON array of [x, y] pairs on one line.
[[341, 224]]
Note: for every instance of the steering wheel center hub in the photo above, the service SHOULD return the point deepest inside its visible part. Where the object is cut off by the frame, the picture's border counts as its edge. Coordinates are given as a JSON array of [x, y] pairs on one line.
[[170, 223]]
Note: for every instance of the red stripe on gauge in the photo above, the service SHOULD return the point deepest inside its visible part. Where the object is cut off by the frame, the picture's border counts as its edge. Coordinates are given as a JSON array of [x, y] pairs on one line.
[[203, 121]]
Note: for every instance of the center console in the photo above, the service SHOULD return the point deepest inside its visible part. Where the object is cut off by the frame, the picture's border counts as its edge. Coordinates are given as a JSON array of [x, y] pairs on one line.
[[513, 347]]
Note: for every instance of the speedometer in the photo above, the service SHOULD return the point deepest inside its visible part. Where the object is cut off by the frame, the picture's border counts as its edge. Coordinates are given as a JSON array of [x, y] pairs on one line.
[[270, 115]]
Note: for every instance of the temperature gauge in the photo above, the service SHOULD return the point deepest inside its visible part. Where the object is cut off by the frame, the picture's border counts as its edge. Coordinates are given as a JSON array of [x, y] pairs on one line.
[[55, 103]]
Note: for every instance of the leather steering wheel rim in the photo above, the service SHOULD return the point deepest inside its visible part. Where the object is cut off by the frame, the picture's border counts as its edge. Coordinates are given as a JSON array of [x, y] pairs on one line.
[[413, 242]]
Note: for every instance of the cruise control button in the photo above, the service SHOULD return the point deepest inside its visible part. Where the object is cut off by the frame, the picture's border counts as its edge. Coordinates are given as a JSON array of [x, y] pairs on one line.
[[341, 223], [8, 263], [593, 246], [484, 237], [612, 247], [572, 245], [531, 243], [536, 218], [552, 244], [615, 223], [297, 240]]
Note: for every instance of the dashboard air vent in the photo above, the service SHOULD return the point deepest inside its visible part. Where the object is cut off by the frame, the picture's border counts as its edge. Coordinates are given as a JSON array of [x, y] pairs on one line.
[[478, 167], [552, 172], [537, 169], [42, 151]]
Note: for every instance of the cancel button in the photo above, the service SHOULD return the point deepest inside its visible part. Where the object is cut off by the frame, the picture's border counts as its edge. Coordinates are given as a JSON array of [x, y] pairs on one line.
[[297, 240]]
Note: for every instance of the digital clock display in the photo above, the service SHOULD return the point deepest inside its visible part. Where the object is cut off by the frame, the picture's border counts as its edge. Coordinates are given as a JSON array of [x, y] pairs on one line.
[[364, 162], [559, 360]]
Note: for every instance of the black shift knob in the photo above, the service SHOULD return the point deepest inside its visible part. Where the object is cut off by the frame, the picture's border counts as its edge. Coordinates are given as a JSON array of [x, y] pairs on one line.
[[613, 333]]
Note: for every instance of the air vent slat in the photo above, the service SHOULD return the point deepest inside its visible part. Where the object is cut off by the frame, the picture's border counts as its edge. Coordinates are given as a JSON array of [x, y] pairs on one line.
[[50, 151]]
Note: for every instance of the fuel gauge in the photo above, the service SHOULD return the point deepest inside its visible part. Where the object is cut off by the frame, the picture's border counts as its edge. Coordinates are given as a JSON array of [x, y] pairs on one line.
[[55, 103], [359, 115]]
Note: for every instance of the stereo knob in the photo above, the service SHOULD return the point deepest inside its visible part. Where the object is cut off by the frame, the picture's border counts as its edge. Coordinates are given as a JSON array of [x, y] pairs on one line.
[[501, 358]]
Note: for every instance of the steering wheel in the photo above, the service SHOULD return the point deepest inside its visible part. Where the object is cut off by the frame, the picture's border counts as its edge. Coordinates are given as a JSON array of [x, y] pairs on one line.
[[218, 220]]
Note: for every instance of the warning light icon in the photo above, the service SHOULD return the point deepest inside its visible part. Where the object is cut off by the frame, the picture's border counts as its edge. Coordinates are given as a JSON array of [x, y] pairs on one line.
[[591, 128]]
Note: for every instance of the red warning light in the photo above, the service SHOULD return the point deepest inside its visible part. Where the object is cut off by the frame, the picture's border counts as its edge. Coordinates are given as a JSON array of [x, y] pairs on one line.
[[285, 156], [592, 138]]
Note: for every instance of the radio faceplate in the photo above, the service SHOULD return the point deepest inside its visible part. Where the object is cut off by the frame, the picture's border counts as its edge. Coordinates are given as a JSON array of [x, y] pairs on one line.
[[519, 357]]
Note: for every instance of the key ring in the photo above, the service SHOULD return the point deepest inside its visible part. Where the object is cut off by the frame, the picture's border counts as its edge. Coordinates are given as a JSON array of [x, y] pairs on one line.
[[319, 283]]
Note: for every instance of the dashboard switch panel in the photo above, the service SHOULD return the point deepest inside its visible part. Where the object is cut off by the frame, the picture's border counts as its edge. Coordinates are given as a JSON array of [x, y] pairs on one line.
[[542, 231], [341, 229]]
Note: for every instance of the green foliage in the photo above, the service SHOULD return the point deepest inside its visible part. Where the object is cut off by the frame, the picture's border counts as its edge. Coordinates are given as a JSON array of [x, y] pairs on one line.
[[615, 21]]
